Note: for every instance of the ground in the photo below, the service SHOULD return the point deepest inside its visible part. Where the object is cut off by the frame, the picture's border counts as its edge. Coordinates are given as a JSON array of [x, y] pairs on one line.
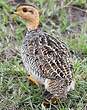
[[66, 19]]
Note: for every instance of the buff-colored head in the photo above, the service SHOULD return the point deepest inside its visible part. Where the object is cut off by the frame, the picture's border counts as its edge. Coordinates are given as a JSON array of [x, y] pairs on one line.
[[30, 14]]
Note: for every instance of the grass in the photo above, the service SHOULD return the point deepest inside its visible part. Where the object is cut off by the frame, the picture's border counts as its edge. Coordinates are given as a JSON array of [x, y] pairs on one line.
[[16, 93]]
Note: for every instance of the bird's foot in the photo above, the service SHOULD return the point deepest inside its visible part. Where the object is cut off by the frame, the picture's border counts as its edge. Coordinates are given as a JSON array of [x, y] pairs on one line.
[[55, 100], [48, 104], [48, 96], [33, 81], [49, 100]]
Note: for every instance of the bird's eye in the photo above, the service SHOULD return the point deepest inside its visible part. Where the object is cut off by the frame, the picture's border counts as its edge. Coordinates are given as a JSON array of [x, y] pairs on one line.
[[25, 10]]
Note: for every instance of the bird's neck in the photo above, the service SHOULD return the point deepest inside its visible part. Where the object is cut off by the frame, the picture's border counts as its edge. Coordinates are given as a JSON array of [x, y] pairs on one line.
[[33, 25]]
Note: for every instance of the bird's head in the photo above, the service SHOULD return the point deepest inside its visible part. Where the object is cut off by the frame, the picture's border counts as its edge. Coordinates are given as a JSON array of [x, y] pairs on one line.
[[30, 14]]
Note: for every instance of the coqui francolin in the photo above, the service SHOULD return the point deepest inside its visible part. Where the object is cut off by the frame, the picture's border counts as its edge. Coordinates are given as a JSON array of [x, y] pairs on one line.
[[46, 59]]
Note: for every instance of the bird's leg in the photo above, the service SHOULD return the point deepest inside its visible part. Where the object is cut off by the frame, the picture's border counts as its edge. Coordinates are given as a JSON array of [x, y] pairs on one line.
[[47, 104], [49, 99], [32, 80], [55, 100], [47, 96]]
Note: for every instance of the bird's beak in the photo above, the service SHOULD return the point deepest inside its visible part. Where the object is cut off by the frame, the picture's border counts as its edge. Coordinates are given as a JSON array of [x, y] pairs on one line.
[[16, 13]]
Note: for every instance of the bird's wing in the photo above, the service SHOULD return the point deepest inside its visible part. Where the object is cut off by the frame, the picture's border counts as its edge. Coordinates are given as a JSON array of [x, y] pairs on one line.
[[50, 56]]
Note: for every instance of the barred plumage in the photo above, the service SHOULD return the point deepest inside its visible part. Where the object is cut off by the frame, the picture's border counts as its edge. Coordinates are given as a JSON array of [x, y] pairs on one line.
[[47, 58]]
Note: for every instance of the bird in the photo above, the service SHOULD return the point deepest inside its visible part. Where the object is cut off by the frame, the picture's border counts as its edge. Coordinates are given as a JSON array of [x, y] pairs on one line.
[[46, 59]]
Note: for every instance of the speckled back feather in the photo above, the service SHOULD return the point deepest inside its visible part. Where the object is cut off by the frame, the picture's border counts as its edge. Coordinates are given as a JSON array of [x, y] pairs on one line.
[[47, 58]]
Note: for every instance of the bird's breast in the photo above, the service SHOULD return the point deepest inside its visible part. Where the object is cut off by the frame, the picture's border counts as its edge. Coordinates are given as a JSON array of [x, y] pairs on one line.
[[30, 65]]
